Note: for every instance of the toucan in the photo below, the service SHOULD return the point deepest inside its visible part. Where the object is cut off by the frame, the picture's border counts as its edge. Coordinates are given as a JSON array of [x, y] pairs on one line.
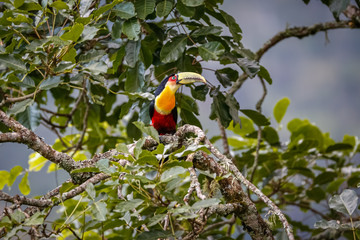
[[163, 111]]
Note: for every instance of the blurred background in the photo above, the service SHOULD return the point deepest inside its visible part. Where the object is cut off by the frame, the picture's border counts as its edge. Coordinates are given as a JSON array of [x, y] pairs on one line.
[[320, 74]]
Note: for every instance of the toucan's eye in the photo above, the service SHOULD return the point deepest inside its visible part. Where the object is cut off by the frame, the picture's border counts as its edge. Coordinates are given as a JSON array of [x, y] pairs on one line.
[[174, 78]]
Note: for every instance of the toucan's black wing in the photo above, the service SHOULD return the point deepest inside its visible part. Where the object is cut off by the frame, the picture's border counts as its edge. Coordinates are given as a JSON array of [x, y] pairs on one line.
[[174, 114], [151, 109]]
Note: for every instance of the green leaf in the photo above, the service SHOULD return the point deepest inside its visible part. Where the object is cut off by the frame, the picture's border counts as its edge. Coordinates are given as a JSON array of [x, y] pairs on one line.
[[270, 135], [207, 30], [163, 8], [18, 3], [149, 130], [60, 5], [125, 10], [332, 224], [116, 30], [50, 82], [257, 117], [173, 49], [14, 173], [30, 118], [263, 72], [193, 3], [206, 203], [280, 109], [91, 55], [325, 177], [36, 162], [74, 33], [70, 56], [247, 127], [121, 147], [191, 149], [135, 78], [234, 107], [345, 203], [20, 107], [156, 219], [89, 33], [132, 51], [36, 219], [99, 210], [138, 147], [97, 68], [24, 185], [17, 216], [128, 205], [185, 10], [219, 109], [155, 234], [339, 147], [234, 28], [131, 28], [172, 173], [316, 194], [13, 62], [84, 7], [335, 185], [4, 178], [211, 50], [200, 92], [90, 189], [144, 7], [226, 76]]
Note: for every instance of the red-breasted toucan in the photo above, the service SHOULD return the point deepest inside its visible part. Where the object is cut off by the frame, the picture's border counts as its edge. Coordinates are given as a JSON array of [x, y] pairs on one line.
[[163, 112]]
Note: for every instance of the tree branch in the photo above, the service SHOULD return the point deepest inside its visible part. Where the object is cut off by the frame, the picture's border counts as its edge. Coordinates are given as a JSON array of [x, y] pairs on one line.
[[298, 32], [26, 136]]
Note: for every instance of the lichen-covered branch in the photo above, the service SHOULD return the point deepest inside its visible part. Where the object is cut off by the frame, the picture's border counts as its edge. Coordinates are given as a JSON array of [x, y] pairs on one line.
[[28, 137]]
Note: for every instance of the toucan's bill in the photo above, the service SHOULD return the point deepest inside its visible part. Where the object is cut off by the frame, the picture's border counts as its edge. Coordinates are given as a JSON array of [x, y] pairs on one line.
[[189, 77]]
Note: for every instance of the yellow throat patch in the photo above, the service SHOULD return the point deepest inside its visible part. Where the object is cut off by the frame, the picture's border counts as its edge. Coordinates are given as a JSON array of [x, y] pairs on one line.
[[165, 101]]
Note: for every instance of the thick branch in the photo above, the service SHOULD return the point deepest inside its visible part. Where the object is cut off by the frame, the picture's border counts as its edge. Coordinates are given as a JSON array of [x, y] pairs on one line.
[[25, 136]]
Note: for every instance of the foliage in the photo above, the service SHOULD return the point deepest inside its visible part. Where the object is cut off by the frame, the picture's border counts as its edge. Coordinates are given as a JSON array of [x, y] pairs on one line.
[[98, 62]]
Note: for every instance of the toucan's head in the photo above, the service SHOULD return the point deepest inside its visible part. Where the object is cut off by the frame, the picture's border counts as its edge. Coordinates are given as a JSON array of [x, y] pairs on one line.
[[174, 81]]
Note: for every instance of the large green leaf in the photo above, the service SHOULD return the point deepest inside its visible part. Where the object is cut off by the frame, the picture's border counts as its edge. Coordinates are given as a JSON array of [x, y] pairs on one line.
[[50, 82], [99, 210], [172, 173], [131, 28], [144, 7], [20, 106], [207, 30], [13, 62], [14, 173], [163, 8], [4, 178], [211, 50], [132, 51], [173, 49], [263, 72], [226, 76], [280, 109], [128, 205], [30, 118], [149, 130], [125, 10], [234, 28], [135, 78], [345, 203], [84, 7], [24, 185], [257, 117], [219, 109], [74, 33]]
